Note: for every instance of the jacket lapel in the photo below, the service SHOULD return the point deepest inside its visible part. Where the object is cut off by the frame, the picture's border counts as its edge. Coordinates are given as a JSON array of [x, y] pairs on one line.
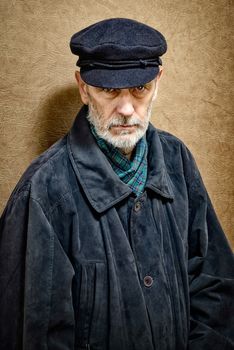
[[158, 177]]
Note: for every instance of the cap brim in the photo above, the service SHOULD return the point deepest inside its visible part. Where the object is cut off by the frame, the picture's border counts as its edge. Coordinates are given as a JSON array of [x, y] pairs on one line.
[[118, 78]]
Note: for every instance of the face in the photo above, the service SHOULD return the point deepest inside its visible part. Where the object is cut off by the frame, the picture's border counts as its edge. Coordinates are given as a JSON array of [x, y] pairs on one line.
[[120, 116]]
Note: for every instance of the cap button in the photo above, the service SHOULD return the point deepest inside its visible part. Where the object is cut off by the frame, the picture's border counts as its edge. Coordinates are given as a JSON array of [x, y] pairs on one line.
[[143, 63]]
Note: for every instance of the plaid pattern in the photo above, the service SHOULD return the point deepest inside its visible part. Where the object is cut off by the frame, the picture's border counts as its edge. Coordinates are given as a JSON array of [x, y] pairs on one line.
[[134, 172]]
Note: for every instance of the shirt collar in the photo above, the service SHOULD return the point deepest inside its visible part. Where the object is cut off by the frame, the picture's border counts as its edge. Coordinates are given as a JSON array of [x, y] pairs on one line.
[[100, 183]]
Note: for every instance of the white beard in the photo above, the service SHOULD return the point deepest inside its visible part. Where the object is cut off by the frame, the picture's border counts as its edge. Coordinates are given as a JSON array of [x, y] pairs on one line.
[[124, 140]]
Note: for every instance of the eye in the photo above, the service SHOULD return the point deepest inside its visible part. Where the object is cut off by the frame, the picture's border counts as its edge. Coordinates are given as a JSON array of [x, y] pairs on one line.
[[109, 90], [140, 88], [139, 91]]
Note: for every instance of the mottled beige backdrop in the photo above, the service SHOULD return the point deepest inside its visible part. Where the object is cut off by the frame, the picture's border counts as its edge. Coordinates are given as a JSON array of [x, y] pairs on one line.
[[39, 98]]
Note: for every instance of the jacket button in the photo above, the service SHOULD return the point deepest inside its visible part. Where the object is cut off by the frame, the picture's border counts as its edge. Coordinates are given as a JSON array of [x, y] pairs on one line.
[[137, 206], [148, 281]]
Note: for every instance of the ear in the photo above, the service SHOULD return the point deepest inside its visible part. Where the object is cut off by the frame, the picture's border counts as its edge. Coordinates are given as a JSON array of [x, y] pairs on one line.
[[82, 88], [160, 73]]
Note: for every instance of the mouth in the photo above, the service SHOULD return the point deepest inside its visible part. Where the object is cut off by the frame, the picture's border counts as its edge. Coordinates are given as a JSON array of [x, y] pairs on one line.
[[124, 126]]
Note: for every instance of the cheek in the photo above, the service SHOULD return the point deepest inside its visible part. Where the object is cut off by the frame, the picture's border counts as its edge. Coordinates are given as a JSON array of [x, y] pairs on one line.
[[141, 111], [102, 113], [106, 117], [106, 112]]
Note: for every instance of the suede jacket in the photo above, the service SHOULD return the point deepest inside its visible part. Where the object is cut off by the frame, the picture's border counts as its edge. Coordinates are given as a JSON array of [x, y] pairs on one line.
[[85, 264]]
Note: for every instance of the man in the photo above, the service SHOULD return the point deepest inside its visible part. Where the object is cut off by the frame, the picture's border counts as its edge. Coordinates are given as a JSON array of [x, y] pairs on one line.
[[109, 240]]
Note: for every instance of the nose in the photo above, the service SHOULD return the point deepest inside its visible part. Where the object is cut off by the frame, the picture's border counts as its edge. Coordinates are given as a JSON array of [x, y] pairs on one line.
[[125, 105]]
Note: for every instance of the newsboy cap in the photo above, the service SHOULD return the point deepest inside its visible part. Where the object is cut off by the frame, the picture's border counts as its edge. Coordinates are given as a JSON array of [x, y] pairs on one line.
[[118, 53]]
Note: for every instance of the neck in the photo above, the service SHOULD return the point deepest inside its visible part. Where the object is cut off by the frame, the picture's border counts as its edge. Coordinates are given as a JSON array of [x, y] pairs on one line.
[[127, 152]]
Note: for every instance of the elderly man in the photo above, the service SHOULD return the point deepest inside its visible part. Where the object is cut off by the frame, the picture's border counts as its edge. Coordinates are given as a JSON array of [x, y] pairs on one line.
[[109, 241]]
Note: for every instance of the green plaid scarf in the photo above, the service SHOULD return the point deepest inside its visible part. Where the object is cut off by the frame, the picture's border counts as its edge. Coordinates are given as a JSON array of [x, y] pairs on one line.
[[134, 172]]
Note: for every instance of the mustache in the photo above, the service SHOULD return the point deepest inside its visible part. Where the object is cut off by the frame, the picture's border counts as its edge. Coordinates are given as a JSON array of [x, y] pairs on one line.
[[122, 120]]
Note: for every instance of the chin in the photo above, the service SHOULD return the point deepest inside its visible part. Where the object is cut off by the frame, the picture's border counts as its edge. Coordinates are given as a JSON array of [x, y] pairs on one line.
[[124, 141]]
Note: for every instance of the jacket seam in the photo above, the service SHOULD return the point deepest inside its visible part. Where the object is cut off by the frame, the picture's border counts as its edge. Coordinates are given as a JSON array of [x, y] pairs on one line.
[[50, 268]]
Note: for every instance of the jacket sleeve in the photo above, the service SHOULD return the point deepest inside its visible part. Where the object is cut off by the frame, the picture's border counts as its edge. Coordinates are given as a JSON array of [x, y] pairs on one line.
[[211, 270], [13, 240], [35, 277]]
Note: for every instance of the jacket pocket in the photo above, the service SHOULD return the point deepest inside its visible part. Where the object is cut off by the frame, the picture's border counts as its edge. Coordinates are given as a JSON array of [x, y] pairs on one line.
[[91, 306]]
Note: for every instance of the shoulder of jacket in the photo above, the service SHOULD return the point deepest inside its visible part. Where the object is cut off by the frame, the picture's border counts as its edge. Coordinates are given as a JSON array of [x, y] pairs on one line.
[[41, 170], [177, 156], [165, 136], [175, 143]]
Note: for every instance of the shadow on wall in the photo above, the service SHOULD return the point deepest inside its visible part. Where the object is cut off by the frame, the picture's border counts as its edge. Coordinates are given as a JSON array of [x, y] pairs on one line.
[[54, 117]]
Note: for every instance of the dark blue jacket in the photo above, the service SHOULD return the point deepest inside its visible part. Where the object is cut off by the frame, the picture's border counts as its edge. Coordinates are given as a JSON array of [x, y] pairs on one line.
[[84, 264]]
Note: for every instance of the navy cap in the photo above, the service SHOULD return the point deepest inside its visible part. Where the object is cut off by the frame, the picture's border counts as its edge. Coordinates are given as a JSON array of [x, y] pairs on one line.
[[118, 53]]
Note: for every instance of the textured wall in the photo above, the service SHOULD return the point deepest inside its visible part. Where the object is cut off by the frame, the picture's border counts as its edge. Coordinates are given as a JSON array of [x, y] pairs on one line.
[[39, 98]]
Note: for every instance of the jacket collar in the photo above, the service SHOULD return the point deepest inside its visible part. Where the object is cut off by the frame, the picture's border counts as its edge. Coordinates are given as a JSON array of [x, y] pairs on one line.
[[100, 183]]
